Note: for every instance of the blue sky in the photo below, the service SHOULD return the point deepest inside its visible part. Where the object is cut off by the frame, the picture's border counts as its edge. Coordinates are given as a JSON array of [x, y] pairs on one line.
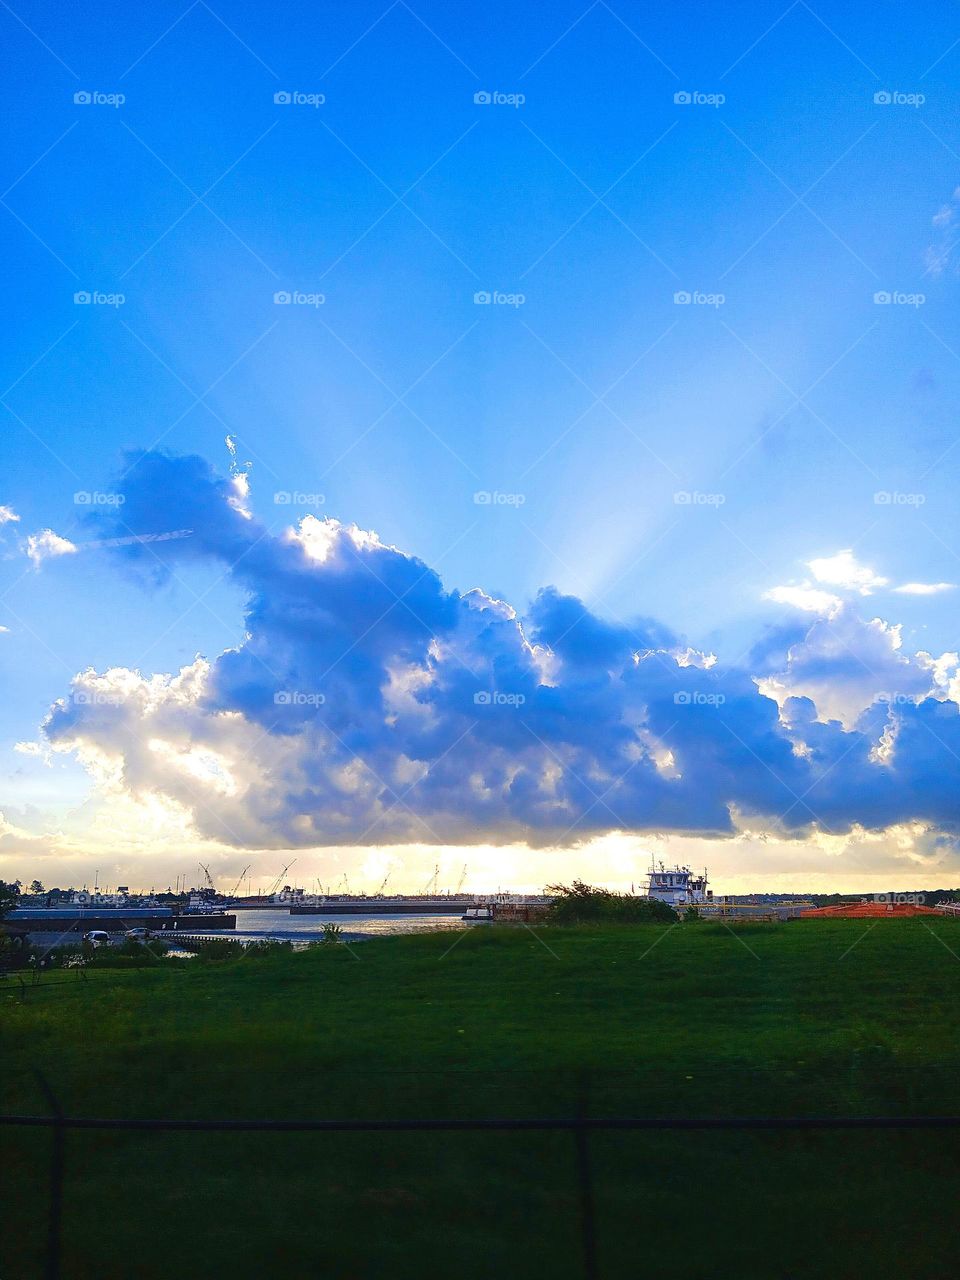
[[783, 397]]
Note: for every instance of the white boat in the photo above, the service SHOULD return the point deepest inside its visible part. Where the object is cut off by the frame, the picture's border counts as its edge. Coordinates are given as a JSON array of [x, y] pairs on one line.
[[678, 886], [478, 915]]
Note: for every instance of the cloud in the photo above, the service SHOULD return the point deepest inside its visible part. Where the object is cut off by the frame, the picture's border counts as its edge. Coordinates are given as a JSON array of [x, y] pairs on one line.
[[845, 573], [845, 664], [924, 588], [810, 599], [368, 704], [938, 255], [843, 570], [8, 516], [46, 545]]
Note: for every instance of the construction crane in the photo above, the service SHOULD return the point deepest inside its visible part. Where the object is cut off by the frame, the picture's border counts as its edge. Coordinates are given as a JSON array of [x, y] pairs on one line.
[[346, 883], [463, 876], [273, 888], [432, 881], [236, 887], [206, 871], [379, 893]]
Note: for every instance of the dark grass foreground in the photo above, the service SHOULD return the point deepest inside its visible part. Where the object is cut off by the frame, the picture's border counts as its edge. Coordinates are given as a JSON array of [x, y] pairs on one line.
[[810, 1018]]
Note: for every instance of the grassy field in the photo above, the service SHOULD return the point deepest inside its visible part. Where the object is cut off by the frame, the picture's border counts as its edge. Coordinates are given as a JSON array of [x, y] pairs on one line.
[[806, 1018]]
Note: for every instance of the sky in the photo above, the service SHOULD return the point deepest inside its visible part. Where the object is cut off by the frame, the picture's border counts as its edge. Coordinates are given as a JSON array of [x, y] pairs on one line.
[[446, 435]]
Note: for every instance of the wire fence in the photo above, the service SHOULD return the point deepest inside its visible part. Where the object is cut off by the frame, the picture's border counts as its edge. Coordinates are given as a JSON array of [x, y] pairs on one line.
[[580, 1126]]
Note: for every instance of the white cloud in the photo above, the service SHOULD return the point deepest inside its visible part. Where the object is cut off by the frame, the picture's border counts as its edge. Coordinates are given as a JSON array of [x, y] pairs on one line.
[[844, 571], [810, 599], [924, 588], [8, 515], [938, 255], [845, 663], [46, 545]]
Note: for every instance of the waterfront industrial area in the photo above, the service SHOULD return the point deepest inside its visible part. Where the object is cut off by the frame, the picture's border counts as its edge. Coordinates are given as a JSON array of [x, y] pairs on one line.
[[291, 913]]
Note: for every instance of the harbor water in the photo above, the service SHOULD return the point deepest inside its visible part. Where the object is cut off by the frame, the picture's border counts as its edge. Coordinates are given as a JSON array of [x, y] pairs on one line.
[[283, 927]]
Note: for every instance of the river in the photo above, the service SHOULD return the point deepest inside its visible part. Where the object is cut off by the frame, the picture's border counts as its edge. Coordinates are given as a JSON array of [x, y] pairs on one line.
[[265, 922]]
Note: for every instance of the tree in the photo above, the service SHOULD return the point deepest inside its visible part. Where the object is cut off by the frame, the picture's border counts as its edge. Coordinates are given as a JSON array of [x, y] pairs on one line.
[[9, 895], [580, 903], [36, 886]]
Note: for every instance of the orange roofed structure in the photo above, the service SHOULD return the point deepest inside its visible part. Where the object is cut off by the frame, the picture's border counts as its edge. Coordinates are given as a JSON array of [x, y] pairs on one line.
[[871, 910]]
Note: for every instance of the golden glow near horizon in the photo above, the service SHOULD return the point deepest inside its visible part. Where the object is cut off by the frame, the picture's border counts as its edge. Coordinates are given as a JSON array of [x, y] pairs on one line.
[[151, 846]]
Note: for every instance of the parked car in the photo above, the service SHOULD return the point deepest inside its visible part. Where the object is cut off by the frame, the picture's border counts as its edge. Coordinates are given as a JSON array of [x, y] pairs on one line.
[[138, 934], [97, 938]]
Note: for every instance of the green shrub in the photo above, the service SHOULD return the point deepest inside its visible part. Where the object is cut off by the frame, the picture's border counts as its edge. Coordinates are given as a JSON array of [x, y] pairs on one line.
[[580, 903]]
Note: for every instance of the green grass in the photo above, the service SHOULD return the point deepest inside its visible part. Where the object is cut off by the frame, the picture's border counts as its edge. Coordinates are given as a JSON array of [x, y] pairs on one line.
[[810, 1018]]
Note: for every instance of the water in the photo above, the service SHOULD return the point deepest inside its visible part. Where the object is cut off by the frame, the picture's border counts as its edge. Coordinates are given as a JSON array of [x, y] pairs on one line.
[[281, 925]]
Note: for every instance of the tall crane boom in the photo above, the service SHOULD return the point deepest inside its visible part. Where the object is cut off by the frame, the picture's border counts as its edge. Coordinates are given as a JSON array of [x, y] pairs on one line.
[[273, 888], [236, 887], [432, 881]]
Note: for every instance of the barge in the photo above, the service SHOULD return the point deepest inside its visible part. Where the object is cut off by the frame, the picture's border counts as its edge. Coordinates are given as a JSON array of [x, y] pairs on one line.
[[398, 906], [117, 920]]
